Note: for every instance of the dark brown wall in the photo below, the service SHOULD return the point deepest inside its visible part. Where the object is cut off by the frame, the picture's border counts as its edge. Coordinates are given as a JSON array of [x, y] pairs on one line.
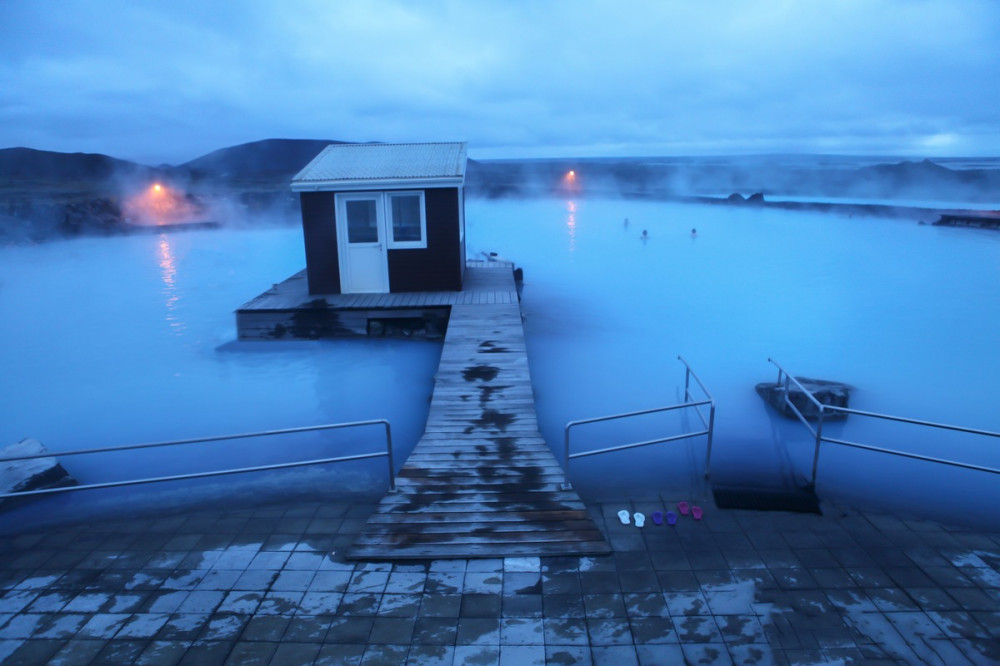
[[439, 267], [319, 230]]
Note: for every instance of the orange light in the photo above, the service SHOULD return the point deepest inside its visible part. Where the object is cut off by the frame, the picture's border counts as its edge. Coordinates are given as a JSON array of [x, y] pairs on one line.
[[571, 176], [159, 204]]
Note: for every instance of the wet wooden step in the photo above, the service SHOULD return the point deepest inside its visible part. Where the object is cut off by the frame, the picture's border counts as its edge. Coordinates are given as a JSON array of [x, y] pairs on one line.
[[481, 482]]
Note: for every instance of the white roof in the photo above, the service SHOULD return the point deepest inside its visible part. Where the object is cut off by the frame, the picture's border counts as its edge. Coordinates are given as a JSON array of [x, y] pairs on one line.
[[355, 166]]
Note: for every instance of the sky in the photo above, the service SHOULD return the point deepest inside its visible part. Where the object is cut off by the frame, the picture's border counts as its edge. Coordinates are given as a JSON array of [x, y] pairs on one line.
[[168, 81]]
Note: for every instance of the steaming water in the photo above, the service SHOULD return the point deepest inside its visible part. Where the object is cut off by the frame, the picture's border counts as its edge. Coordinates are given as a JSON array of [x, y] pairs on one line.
[[113, 341], [905, 313], [124, 340]]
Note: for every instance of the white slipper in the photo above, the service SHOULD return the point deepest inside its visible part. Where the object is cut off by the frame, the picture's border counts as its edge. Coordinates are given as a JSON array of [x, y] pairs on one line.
[[640, 519], [623, 516]]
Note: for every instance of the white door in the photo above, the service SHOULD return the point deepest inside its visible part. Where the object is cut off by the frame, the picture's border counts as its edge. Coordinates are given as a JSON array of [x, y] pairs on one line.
[[364, 266]]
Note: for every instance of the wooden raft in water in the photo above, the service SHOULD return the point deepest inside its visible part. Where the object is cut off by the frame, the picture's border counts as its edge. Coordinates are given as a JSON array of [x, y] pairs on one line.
[[481, 482]]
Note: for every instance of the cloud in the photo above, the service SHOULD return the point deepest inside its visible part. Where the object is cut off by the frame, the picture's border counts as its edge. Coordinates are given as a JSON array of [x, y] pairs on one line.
[[168, 81]]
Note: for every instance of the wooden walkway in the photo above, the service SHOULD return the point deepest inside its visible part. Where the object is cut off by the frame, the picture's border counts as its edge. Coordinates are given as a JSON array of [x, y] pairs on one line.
[[287, 310], [481, 482]]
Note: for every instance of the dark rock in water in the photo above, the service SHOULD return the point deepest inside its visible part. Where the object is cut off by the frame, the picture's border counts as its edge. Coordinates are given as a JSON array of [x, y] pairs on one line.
[[736, 197], [756, 198], [19, 476], [826, 392]]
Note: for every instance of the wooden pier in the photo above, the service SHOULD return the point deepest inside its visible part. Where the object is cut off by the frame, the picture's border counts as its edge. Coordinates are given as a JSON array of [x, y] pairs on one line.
[[288, 311], [481, 482]]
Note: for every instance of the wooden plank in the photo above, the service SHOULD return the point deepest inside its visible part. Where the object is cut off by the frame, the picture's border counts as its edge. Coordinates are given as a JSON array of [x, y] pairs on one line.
[[511, 526], [482, 482], [494, 517], [484, 550]]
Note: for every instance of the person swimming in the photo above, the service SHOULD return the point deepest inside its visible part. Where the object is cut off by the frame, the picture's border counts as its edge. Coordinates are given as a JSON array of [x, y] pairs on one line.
[[694, 232], [626, 223], [644, 237]]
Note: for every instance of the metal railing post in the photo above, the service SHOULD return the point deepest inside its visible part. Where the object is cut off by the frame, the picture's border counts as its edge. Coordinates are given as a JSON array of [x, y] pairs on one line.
[[711, 431], [566, 451], [388, 452], [822, 410], [819, 440], [220, 472], [688, 404]]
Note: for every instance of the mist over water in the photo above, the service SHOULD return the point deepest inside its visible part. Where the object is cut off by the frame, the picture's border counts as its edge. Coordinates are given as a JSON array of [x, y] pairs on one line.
[[904, 312], [128, 340], [132, 339]]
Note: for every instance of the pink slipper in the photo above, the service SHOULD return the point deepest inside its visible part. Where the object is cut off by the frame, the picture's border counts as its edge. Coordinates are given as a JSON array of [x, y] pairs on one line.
[[671, 518], [696, 512], [658, 517], [683, 508]]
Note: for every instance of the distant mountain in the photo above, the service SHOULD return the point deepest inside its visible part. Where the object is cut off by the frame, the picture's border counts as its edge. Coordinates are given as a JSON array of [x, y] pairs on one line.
[[267, 158], [920, 178], [28, 164]]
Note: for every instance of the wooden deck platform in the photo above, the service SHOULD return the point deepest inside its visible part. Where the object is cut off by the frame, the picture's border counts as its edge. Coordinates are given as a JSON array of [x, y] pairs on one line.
[[481, 482], [288, 311]]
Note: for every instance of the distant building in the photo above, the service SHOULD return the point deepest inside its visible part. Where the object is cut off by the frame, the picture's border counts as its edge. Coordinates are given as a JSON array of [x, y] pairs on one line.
[[381, 218]]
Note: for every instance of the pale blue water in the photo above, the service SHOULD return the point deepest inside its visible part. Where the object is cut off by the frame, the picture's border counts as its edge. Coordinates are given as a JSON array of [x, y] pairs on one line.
[[113, 341], [906, 313], [122, 340]]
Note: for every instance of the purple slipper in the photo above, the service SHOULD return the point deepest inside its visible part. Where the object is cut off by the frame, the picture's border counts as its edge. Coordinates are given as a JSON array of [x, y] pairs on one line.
[[671, 518], [658, 517]]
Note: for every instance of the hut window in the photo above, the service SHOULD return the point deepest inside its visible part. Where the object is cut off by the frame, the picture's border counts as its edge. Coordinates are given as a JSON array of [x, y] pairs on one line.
[[407, 222], [362, 221]]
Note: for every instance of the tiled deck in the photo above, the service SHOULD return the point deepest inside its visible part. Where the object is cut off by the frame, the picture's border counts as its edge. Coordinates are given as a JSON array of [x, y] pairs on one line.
[[270, 585]]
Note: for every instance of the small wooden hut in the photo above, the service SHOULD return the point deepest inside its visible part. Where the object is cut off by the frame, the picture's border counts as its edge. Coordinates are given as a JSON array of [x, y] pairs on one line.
[[382, 218]]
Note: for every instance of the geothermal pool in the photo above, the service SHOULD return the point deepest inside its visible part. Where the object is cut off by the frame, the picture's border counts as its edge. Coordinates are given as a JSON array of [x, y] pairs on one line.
[[132, 339], [127, 340], [906, 313]]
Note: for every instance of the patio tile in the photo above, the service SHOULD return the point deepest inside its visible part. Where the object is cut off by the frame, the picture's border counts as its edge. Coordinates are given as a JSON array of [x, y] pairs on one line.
[[609, 631], [478, 631], [522, 655], [435, 631], [614, 655], [392, 631], [521, 631], [350, 630], [483, 583], [440, 605], [307, 629]]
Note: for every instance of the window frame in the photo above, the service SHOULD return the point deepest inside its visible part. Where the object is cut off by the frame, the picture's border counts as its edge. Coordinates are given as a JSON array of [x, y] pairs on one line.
[[391, 241]]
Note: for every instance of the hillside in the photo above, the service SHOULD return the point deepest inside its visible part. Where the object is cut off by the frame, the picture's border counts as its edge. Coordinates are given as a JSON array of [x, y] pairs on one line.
[[44, 193], [30, 165], [270, 158]]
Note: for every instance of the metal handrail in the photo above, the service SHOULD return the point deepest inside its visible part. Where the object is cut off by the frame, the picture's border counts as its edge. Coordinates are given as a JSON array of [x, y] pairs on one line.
[[197, 475], [709, 425], [822, 409]]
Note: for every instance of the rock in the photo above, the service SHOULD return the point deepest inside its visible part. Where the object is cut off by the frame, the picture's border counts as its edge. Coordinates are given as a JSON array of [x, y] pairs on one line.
[[736, 198], [756, 198], [19, 476], [826, 392]]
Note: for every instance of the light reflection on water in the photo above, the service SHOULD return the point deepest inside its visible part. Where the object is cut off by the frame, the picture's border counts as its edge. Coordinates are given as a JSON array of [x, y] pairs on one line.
[[904, 312], [91, 364], [571, 224], [168, 268]]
